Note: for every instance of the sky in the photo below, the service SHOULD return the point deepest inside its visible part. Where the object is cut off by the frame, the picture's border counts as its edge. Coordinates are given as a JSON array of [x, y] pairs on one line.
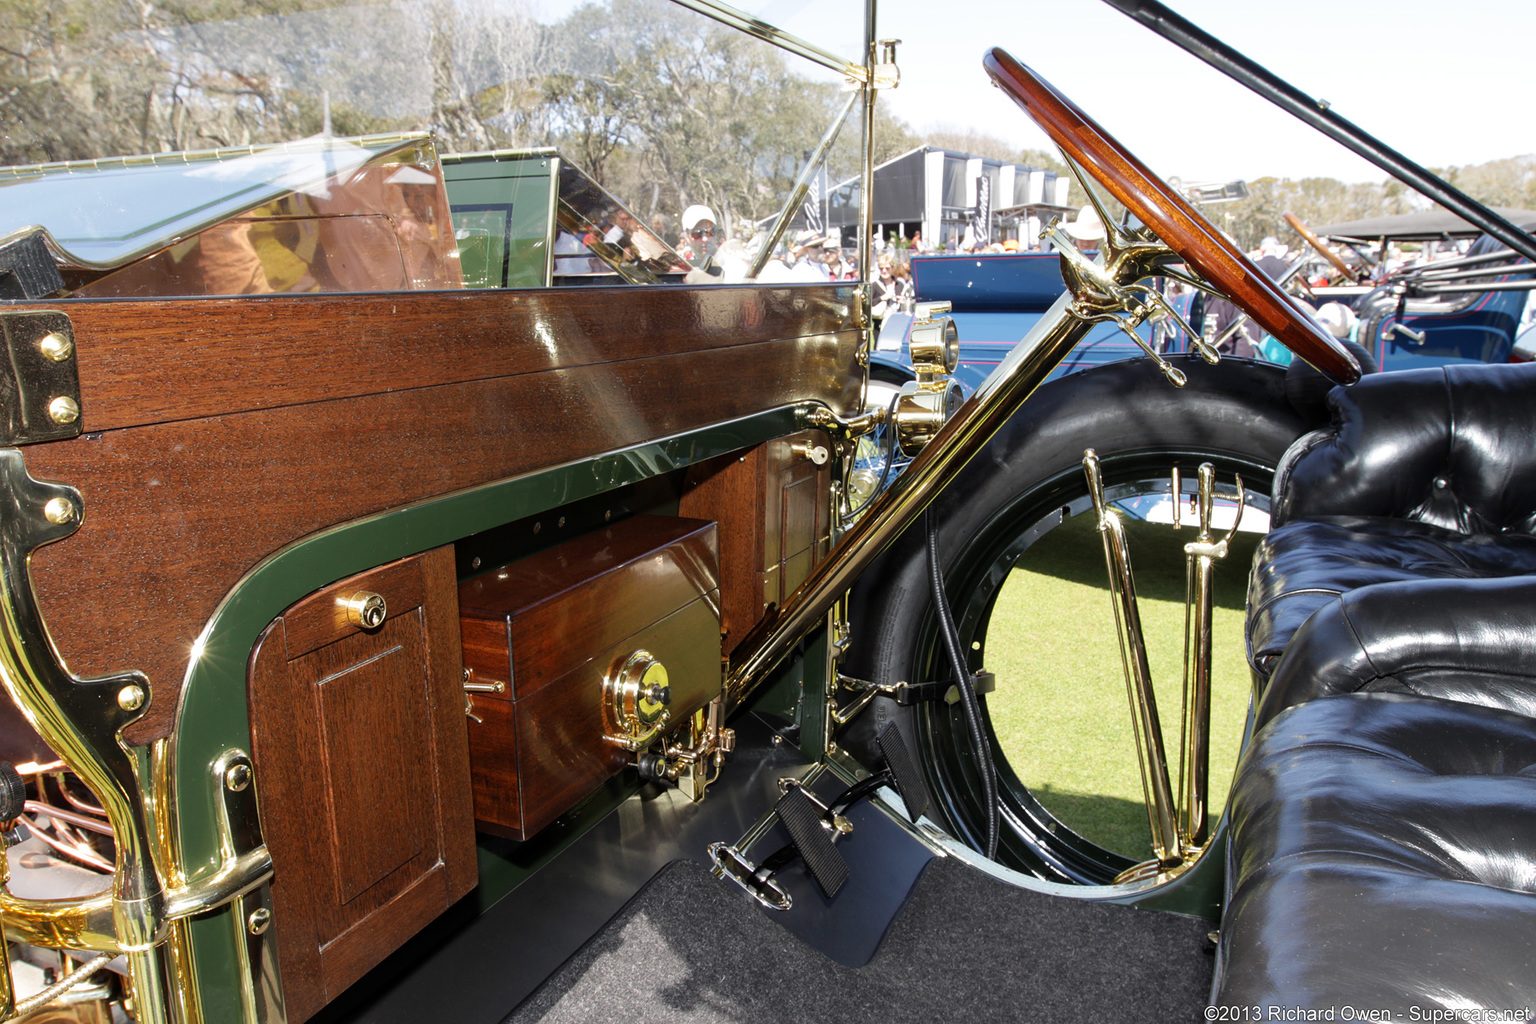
[[1446, 82]]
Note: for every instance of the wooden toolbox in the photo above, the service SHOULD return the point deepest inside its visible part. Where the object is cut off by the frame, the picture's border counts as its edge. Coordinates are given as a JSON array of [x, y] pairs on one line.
[[556, 632]]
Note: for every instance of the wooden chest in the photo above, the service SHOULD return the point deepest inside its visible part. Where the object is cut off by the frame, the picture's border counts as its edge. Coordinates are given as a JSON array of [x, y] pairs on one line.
[[556, 632]]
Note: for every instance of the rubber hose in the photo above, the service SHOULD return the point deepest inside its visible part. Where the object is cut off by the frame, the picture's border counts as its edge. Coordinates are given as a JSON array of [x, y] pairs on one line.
[[968, 699]]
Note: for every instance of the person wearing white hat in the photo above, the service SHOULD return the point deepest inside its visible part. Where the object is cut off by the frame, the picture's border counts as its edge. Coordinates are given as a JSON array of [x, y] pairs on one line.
[[697, 244], [832, 262], [1272, 258], [1087, 229]]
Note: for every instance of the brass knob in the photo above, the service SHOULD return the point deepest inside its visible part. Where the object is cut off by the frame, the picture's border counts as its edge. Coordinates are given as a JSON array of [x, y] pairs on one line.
[[365, 609]]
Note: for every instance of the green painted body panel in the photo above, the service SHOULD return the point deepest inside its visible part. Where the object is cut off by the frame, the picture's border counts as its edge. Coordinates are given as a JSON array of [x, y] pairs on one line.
[[502, 218]]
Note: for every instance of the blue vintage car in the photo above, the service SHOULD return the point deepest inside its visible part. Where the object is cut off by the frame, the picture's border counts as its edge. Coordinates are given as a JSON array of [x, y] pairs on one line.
[[1435, 313]]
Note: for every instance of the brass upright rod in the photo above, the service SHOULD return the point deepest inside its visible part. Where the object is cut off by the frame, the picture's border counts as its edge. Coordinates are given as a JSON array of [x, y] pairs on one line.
[[1197, 667], [1202, 554], [1156, 788]]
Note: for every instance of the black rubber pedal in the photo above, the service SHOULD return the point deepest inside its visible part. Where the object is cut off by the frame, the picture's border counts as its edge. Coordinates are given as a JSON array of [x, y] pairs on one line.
[[905, 771], [802, 820]]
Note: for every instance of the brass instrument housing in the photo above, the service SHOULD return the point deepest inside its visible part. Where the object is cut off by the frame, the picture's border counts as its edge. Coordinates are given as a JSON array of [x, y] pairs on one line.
[[637, 694], [922, 408], [934, 342]]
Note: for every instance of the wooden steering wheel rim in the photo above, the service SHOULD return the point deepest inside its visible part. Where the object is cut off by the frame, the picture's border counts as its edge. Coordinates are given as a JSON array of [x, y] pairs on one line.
[[1167, 213], [1311, 239]]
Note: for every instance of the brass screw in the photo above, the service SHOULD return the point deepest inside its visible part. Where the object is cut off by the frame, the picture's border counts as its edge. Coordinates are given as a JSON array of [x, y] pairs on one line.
[[130, 697], [259, 921], [56, 346], [63, 410], [237, 778], [60, 511]]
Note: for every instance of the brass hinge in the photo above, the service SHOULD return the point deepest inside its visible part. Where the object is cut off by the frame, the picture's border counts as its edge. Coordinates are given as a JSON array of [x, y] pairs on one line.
[[40, 384]]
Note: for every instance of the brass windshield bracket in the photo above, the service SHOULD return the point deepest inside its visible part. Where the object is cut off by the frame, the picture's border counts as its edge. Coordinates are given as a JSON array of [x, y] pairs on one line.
[[40, 396]]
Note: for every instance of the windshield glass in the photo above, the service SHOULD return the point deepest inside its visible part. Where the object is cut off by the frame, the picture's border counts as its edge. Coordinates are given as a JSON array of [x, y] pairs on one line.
[[627, 141]]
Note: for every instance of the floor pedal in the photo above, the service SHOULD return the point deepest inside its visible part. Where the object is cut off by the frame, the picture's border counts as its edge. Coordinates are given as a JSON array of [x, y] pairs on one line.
[[906, 775], [802, 819]]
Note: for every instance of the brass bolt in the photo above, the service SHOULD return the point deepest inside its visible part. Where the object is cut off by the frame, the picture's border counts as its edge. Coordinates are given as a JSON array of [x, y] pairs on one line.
[[259, 921], [63, 410], [56, 346], [60, 511], [237, 777], [130, 697]]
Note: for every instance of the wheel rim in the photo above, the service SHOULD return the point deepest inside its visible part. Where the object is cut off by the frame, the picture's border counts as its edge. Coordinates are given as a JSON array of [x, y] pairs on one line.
[[1032, 837]]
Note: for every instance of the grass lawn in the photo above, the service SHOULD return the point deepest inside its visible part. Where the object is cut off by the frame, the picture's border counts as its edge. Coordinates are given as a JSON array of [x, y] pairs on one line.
[[1060, 709]]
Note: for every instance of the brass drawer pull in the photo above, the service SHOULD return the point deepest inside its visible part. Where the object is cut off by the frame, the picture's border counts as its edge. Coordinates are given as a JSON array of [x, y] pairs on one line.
[[365, 609]]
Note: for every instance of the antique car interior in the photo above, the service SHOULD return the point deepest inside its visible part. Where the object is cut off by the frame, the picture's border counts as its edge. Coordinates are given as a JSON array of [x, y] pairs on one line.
[[423, 596]]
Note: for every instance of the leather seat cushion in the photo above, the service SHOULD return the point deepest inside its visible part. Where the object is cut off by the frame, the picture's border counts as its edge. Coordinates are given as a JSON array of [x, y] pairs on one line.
[[1384, 855], [1306, 563]]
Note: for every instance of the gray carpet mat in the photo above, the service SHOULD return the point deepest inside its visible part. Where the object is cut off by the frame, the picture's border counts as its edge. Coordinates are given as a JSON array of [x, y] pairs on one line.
[[690, 949]]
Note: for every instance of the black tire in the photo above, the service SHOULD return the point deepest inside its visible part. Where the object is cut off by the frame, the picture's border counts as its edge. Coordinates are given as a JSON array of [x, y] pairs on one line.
[[1235, 414]]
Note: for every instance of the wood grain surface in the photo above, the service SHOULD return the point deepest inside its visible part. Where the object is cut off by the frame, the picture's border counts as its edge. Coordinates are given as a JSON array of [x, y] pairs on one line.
[[362, 764], [571, 613], [220, 431]]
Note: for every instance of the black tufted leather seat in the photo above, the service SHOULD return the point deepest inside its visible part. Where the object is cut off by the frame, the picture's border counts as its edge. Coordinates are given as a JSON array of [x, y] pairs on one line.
[[1383, 819], [1383, 856], [1457, 639], [1424, 475]]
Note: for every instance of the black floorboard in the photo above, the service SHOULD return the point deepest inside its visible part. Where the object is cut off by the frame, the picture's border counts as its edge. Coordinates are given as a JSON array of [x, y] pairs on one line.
[[690, 949]]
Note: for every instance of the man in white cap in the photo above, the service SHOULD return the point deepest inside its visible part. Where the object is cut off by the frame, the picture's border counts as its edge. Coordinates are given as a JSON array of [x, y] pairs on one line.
[[697, 244], [836, 268]]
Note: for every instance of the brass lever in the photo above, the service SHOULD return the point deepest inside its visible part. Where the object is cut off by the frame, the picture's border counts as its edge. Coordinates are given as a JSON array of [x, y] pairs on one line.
[[1156, 788]]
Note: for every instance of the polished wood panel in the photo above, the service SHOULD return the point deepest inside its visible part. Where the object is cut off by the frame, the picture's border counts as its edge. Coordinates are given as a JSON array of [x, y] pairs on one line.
[[176, 512], [770, 502], [161, 360], [728, 490], [573, 613], [362, 774], [322, 618]]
